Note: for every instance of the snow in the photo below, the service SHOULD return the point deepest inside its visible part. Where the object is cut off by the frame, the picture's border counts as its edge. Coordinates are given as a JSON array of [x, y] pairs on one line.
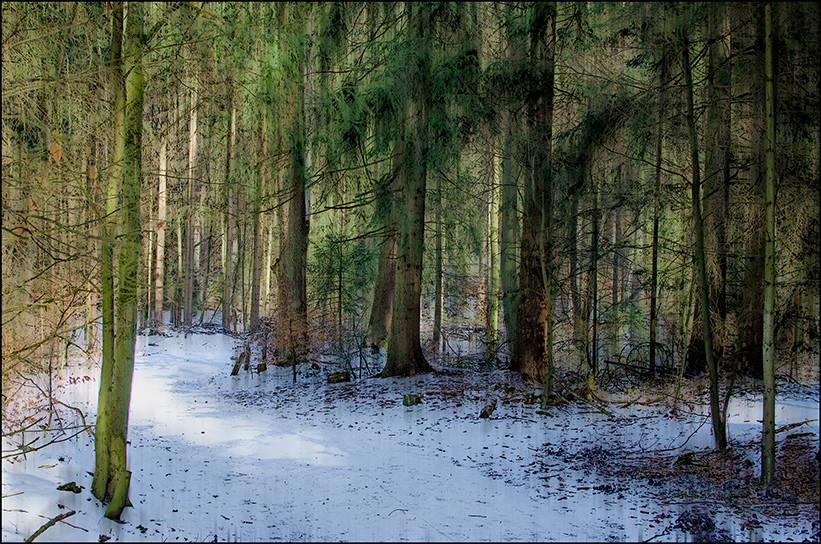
[[255, 457]]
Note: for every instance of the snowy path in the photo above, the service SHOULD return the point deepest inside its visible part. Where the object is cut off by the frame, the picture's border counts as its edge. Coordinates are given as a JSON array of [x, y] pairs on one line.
[[257, 458]]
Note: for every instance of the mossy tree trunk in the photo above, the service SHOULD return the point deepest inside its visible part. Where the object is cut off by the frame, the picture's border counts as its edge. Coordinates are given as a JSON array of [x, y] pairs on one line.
[[111, 479], [101, 445]]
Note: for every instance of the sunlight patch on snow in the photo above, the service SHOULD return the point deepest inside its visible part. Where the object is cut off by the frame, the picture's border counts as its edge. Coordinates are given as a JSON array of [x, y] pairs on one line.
[[256, 457]]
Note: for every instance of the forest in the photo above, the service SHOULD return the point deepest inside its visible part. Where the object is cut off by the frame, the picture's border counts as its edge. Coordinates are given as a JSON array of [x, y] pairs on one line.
[[481, 221]]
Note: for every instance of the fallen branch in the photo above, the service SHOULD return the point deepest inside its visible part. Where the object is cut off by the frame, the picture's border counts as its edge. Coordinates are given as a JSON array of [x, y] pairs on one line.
[[49, 523], [794, 425], [238, 364], [599, 408], [67, 523]]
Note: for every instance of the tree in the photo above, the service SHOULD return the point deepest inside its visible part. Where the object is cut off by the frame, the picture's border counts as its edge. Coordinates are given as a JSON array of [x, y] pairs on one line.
[[768, 355], [405, 357], [113, 475], [533, 353], [190, 226], [716, 183], [161, 220], [229, 218], [719, 427], [294, 221], [101, 446]]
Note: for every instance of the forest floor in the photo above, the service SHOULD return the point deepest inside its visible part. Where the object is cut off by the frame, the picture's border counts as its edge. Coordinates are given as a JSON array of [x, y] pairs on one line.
[[257, 457]]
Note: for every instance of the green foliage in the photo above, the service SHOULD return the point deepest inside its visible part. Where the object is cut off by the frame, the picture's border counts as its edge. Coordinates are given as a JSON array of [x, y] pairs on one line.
[[335, 255]]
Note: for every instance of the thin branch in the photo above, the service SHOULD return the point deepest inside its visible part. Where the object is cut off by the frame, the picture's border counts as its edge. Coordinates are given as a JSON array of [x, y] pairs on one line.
[[49, 523]]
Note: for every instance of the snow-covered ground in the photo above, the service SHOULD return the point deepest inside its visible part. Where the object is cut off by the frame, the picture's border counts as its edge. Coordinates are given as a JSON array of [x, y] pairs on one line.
[[255, 457]]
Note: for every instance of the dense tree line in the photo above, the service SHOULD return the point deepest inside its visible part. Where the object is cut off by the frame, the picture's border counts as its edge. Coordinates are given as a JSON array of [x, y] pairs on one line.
[[589, 178]]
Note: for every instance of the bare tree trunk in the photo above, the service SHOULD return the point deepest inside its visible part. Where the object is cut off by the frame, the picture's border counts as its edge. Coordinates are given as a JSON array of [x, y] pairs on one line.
[[230, 215], [701, 265], [405, 357], [438, 295], [594, 278], [716, 184], [190, 228], [768, 355], [533, 322], [493, 260], [751, 314], [382, 305], [259, 195], [161, 217], [293, 303], [509, 233]]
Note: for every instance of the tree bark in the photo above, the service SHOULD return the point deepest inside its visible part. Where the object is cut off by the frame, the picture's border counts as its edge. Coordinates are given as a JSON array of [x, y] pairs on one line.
[[405, 357], [719, 428], [228, 241], [533, 323], [293, 303], [509, 235], [161, 218], [101, 442], [190, 227], [751, 314], [656, 213], [716, 183], [493, 259], [438, 272], [509, 230], [382, 304], [768, 349], [256, 275], [129, 259]]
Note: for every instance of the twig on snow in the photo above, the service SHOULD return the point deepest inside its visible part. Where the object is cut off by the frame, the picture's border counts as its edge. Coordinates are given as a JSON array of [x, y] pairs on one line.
[[49, 523]]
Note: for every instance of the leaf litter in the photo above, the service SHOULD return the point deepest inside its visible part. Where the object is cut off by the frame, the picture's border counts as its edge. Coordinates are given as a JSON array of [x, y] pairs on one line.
[[258, 457]]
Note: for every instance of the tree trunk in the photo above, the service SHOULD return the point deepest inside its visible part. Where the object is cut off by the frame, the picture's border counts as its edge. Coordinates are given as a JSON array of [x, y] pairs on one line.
[[493, 259], [230, 219], [259, 195], [594, 279], [438, 275], [509, 231], [188, 287], [716, 183], [717, 168], [293, 303], [382, 304], [532, 320], [768, 351], [656, 214], [102, 454], [161, 217], [129, 259], [405, 357], [751, 314], [381, 309], [509, 211], [701, 260]]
